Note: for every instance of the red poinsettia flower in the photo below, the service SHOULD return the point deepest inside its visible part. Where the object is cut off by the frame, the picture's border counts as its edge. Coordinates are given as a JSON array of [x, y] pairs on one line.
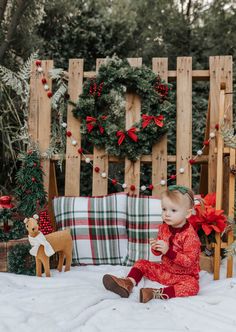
[[210, 199], [208, 219]]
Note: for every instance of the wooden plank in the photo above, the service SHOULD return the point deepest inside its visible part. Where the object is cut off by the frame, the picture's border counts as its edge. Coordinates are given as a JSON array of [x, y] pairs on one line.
[[219, 186], [203, 186], [231, 188], [100, 159], [40, 114], [159, 150], [73, 159], [53, 191], [220, 72], [184, 121], [197, 75], [133, 114]]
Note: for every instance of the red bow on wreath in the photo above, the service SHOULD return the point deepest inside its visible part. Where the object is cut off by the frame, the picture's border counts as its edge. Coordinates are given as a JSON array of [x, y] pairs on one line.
[[91, 124], [130, 133], [148, 118]]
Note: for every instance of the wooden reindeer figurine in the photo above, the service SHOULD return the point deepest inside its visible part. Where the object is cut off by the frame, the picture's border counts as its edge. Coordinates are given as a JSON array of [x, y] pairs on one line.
[[44, 246]]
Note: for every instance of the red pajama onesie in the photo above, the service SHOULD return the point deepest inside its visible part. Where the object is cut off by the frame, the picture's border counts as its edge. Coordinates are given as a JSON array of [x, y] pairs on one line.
[[179, 267]]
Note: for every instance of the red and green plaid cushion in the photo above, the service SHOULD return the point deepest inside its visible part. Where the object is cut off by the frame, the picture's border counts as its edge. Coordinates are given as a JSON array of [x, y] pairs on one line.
[[98, 227], [144, 216]]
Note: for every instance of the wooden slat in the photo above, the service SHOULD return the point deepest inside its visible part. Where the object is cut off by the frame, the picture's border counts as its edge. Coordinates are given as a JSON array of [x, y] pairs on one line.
[[184, 120], [40, 114], [100, 159], [159, 150], [73, 159], [53, 191], [133, 114], [219, 185], [220, 72], [197, 75]]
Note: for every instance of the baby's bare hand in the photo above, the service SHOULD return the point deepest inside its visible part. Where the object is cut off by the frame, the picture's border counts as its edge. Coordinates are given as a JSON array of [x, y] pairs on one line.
[[153, 243], [162, 246]]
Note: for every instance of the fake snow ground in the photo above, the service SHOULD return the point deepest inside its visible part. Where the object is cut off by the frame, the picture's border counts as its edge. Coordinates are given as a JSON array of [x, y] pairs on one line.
[[77, 301]]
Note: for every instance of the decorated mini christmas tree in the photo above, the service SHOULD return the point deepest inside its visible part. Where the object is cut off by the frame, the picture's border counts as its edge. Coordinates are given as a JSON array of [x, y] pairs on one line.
[[45, 225], [29, 190]]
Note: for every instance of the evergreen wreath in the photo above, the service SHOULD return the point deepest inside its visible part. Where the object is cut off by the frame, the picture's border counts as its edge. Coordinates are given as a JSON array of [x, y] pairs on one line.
[[101, 109]]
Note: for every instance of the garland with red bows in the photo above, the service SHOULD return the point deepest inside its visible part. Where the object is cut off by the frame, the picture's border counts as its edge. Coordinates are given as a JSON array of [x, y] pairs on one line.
[[101, 109]]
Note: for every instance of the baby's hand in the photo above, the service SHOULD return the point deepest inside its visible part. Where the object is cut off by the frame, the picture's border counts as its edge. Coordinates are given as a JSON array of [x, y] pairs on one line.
[[162, 246], [153, 244]]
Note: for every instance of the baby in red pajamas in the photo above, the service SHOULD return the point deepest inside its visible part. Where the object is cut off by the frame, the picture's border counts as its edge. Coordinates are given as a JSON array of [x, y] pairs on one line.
[[179, 245]]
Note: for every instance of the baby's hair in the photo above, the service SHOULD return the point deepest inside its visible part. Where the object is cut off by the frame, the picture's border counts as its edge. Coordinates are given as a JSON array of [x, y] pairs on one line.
[[175, 193]]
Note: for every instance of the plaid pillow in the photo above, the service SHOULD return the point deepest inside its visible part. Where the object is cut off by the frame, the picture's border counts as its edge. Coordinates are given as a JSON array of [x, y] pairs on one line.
[[144, 216], [98, 227]]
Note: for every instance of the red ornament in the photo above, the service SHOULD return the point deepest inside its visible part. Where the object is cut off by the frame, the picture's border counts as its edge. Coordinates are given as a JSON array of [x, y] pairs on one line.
[[191, 161], [151, 187], [173, 177], [33, 179], [38, 63], [80, 150], [206, 143], [97, 169], [132, 187], [44, 81], [114, 181], [217, 126], [68, 133], [49, 94]]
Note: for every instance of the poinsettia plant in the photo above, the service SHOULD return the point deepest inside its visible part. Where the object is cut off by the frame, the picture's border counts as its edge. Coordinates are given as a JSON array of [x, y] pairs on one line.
[[208, 221]]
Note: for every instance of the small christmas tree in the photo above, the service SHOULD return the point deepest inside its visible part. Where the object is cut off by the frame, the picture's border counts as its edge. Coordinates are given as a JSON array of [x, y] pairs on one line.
[[29, 190]]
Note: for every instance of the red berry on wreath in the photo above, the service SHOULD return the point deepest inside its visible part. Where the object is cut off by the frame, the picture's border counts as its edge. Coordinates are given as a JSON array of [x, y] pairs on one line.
[[114, 181], [49, 94], [68, 133], [38, 62]]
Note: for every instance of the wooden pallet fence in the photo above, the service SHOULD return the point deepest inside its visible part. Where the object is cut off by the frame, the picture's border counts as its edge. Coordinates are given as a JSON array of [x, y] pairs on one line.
[[220, 71]]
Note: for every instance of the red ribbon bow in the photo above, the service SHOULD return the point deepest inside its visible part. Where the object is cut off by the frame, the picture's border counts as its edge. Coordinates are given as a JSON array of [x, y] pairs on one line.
[[91, 123], [130, 133], [148, 118]]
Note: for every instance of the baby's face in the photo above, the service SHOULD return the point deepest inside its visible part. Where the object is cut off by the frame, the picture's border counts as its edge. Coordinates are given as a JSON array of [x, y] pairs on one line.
[[175, 213]]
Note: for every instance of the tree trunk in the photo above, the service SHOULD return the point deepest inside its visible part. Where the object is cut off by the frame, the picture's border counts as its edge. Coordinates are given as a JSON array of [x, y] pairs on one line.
[[15, 20]]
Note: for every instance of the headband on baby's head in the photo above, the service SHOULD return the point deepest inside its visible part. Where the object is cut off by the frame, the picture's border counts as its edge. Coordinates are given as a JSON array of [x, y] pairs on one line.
[[182, 189]]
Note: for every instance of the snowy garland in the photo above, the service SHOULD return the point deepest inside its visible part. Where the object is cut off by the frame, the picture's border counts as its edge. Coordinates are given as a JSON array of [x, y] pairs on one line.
[[101, 108]]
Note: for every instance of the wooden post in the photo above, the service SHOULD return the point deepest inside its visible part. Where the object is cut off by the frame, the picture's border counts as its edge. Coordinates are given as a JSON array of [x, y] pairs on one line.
[[73, 158], [184, 121], [220, 71], [219, 185], [133, 114], [159, 150], [230, 239]]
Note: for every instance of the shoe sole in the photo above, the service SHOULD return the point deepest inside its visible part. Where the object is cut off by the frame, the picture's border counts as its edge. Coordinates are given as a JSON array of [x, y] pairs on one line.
[[110, 284], [141, 296]]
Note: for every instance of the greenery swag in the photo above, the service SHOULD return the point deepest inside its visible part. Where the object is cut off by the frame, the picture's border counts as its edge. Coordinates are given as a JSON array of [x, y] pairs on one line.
[[101, 108]]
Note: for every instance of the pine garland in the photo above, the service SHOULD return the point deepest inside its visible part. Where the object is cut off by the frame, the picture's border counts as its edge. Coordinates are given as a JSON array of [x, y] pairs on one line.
[[20, 261], [101, 108]]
